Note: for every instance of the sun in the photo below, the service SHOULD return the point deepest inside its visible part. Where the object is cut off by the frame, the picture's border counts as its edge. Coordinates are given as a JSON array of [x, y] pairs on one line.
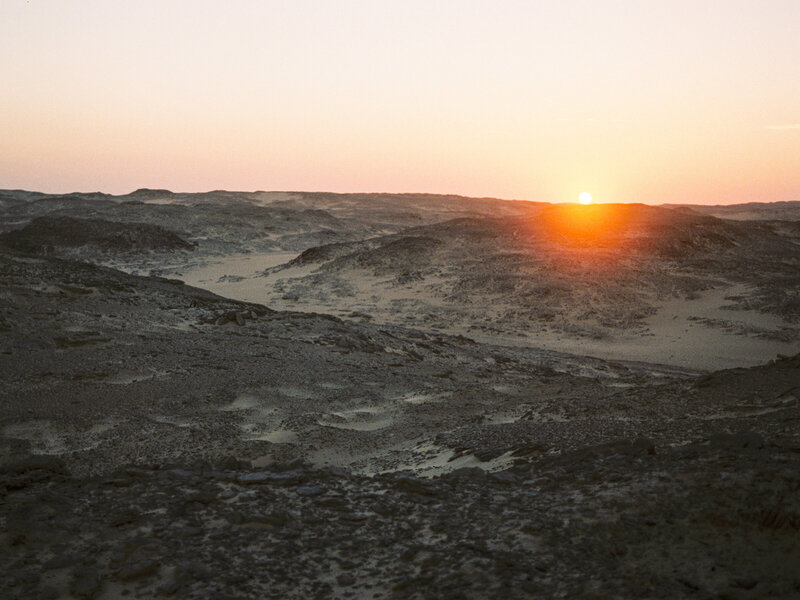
[[585, 198]]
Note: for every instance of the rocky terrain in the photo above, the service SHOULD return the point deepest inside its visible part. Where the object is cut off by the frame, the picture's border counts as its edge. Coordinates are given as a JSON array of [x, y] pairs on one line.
[[160, 440], [89, 237], [593, 273], [750, 211], [222, 222]]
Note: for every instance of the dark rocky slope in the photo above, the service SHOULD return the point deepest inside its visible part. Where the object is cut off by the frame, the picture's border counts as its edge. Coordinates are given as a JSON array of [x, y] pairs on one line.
[[54, 235]]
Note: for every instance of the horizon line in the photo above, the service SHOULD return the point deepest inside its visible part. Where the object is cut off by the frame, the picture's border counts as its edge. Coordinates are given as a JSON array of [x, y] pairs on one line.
[[376, 193]]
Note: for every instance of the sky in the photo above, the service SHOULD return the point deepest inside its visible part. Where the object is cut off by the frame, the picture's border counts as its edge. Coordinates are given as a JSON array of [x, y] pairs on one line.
[[677, 101]]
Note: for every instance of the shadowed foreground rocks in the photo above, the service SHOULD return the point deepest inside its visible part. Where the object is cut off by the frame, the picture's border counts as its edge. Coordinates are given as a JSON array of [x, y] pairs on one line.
[[619, 520], [718, 519]]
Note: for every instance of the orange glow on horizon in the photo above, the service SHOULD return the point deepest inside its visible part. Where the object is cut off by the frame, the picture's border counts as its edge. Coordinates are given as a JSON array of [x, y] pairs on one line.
[[595, 226]]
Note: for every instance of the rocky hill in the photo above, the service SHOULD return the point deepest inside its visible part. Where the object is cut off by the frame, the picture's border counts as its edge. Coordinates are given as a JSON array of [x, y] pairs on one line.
[[750, 211], [590, 271], [54, 235]]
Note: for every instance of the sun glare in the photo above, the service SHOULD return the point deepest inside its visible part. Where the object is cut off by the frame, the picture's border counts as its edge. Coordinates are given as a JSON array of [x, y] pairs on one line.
[[585, 198]]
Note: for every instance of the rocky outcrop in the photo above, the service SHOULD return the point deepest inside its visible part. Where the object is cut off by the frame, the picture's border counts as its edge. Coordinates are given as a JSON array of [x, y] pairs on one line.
[[50, 234]]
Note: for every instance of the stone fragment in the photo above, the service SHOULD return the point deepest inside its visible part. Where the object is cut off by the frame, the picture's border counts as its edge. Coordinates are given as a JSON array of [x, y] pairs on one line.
[[138, 570], [61, 561], [86, 582], [736, 442], [310, 490], [40, 462]]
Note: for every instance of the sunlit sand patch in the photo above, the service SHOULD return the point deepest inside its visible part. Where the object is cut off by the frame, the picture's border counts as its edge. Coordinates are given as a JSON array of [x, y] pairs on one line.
[[260, 407], [789, 396], [95, 435], [43, 288], [291, 391], [504, 389], [28, 260], [681, 328], [276, 436], [439, 461], [330, 385], [172, 420], [424, 398], [100, 428], [44, 436], [242, 402], [238, 276], [501, 419], [367, 418], [263, 461]]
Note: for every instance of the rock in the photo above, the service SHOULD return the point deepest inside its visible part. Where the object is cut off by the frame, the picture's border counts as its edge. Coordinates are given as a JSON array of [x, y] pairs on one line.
[[195, 570], [745, 583], [48, 592], [467, 473], [28, 578], [310, 490], [504, 478], [170, 587], [86, 582], [274, 518], [61, 561], [735, 442], [643, 445], [134, 473], [239, 319], [292, 465], [487, 454], [47, 232], [124, 517], [409, 483], [530, 449], [39, 462], [332, 503], [345, 580], [202, 497], [285, 478], [235, 517], [138, 570], [179, 474], [231, 463]]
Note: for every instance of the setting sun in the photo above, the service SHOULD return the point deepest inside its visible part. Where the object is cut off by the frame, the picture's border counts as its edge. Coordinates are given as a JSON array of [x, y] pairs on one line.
[[585, 198]]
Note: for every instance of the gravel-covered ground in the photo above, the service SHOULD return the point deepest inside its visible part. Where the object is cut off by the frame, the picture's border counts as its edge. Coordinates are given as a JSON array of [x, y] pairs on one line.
[[625, 521]]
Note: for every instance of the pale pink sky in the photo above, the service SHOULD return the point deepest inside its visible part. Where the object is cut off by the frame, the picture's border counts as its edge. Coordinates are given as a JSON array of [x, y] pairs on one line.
[[646, 101]]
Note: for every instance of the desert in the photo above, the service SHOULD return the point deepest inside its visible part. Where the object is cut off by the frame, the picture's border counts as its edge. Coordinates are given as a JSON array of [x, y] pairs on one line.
[[370, 300], [271, 395]]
